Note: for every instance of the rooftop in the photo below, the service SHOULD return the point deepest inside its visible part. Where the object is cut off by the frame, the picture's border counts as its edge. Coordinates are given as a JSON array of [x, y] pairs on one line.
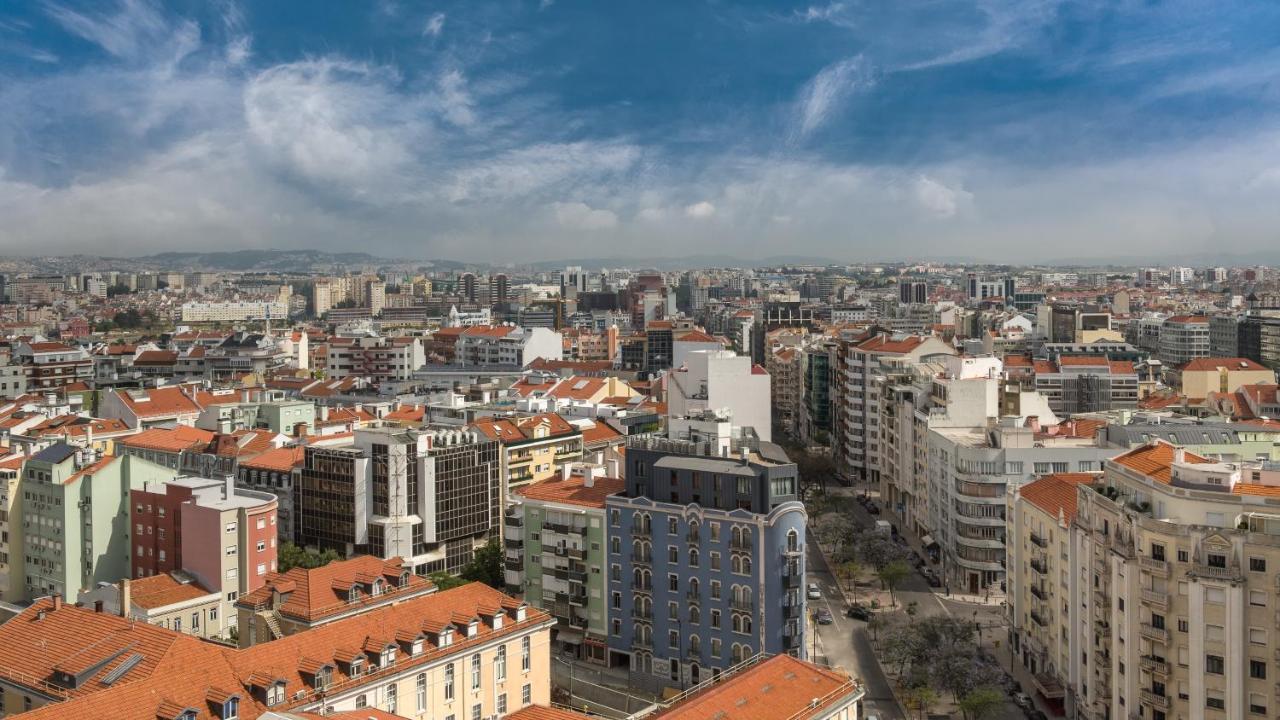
[[574, 491], [780, 688]]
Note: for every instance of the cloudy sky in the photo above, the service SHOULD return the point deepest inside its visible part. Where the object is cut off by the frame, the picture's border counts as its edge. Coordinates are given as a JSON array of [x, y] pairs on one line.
[[508, 130]]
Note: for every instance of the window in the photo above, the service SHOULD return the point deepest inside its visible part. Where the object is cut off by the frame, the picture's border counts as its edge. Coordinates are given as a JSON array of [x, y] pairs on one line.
[[1213, 664], [500, 663], [615, 518], [231, 709], [1213, 633], [392, 699], [231, 550], [1216, 560], [362, 701], [475, 712], [1258, 598], [673, 554], [526, 694], [1213, 699], [1257, 636], [502, 704], [421, 688], [1215, 595], [1183, 556], [1257, 703], [524, 654], [615, 545], [673, 582], [231, 527], [1257, 669], [262, 545], [448, 681], [693, 558], [1257, 564], [1182, 625], [715, 619], [475, 671], [671, 526]]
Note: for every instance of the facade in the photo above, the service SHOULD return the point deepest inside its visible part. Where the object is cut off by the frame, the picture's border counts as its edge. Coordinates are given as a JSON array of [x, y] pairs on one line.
[[1203, 376], [816, 365], [75, 516], [506, 345], [706, 558], [1172, 580], [1184, 338], [722, 381], [230, 312], [467, 652], [431, 497], [1224, 336], [1259, 337], [378, 358], [554, 546], [533, 448], [50, 365], [1086, 383], [174, 600], [786, 387], [12, 588], [276, 472]]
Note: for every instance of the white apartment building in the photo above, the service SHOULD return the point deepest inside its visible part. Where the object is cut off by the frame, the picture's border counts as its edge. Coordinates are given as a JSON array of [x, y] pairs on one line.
[[1173, 589], [858, 375], [507, 345], [235, 311], [717, 381], [1184, 338], [379, 358]]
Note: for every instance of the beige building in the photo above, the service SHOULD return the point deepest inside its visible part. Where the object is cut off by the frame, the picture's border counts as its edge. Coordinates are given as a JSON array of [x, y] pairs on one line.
[[1173, 589], [174, 601], [1203, 376], [783, 365], [12, 584], [1038, 571]]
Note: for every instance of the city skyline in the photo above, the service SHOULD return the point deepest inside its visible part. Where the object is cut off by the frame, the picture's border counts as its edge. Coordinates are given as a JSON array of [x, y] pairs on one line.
[[1010, 131]]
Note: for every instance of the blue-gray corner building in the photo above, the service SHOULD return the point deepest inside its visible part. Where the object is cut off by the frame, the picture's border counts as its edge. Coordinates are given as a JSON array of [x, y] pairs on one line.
[[706, 558]]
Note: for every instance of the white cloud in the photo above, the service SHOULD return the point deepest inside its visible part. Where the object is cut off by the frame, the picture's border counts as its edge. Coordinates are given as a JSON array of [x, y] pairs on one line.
[[239, 50], [580, 216], [939, 199], [455, 100], [822, 96], [1004, 25], [821, 13], [700, 210], [434, 26], [544, 166], [136, 29]]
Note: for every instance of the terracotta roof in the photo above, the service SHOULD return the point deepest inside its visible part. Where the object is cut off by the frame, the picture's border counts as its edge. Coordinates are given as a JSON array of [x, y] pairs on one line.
[[1155, 460], [1215, 364], [1056, 493], [541, 712], [574, 491], [156, 357], [1184, 319], [43, 347], [159, 402], [175, 439], [780, 687], [1082, 360], [599, 432], [317, 593], [493, 331], [697, 336], [408, 413], [517, 429], [886, 344], [157, 591], [283, 459], [577, 388], [79, 426], [1258, 490]]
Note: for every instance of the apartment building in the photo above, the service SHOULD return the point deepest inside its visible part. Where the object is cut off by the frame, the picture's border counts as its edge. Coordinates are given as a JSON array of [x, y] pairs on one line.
[[51, 365], [858, 373], [235, 311], [276, 472], [430, 497], [470, 652], [722, 381], [786, 388], [173, 600], [1184, 338], [533, 448], [1078, 383], [1259, 338], [554, 546], [1202, 376], [74, 510], [971, 470], [817, 361], [301, 599], [506, 345], [12, 588], [378, 358], [1038, 521], [1173, 588], [705, 556]]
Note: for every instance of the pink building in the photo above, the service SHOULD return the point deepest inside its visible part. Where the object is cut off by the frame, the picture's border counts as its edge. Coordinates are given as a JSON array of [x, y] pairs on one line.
[[223, 536]]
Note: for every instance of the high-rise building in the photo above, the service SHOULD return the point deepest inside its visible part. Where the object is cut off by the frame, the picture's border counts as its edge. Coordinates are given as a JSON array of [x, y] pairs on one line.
[[431, 497], [1184, 338], [913, 293]]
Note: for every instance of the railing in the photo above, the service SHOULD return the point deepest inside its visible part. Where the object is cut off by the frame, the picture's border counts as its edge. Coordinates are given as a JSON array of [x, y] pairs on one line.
[[740, 546], [791, 612], [1154, 565], [1151, 632], [1039, 540], [693, 595], [643, 558], [1156, 597], [1039, 592], [1216, 573], [1150, 698], [641, 614], [643, 642], [1153, 665], [693, 537], [1038, 619], [1040, 566], [642, 531], [514, 520], [1103, 628], [743, 606]]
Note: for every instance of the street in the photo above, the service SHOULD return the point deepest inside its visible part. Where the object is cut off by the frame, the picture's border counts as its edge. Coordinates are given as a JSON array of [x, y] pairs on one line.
[[846, 642]]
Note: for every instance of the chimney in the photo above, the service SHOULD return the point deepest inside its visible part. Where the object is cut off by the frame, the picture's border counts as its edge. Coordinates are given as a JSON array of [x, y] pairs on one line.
[[588, 479], [244, 396], [324, 412], [300, 429], [565, 471], [1179, 455], [1033, 422], [126, 597], [612, 464], [745, 454], [57, 601]]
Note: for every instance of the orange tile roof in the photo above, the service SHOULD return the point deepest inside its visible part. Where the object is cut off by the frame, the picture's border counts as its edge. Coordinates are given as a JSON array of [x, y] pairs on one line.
[[600, 432], [517, 429], [780, 687], [160, 402], [577, 388], [175, 439], [1257, 490], [1155, 460], [156, 357], [574, 491], [493, 331], [283, 459], [78, 426], [157, 591], [696, 336], [1215, 364], [320, 592], [541, 712], [1082, 360], [886, 344], [1056, 493], [1185, 319]]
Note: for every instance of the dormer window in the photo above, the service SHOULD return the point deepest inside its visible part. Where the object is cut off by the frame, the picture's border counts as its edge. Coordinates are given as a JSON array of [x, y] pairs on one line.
[[520, 611], [353, 594], [404, 579], [417, 648], [497, 621], [375, 588], [472, 627], [357, 666], [231, 709], [275, 694], [388, 657], [187, 715]]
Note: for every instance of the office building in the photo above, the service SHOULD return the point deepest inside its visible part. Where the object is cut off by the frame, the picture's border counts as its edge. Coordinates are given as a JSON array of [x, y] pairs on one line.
[[1183, 338]]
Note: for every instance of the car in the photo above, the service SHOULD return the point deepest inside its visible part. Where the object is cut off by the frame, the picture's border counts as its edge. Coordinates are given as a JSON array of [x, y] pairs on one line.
[[859, 612], [932, 578], [1023, 701], [814, 593], [823, 616]]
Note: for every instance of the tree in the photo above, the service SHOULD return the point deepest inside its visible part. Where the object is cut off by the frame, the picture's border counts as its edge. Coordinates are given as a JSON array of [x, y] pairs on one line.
[[921, 698], [444, 581], [878, 551], [292, 556], [849, 570], [118, 289], [875, 624], [893, 574], [981, 703], [486, 566], [834, 531]]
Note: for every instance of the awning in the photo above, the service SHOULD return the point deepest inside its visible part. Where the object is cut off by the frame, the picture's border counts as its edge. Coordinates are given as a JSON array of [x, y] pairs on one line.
[[570, 637], [928, 541]]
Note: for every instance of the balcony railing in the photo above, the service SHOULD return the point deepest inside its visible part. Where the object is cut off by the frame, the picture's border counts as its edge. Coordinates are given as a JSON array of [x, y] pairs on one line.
[[642, 531], [1039, 540], [1156, 597], [693, 537], [743, 606], [1040, 566], [514, 520], [1153, 665], [1151, 632], [642, 558], [1154, 565], [1216, 573], [637, 614], [1103, 628], [1154, 700], [1039, 592], [791, 612], [1039, 619]]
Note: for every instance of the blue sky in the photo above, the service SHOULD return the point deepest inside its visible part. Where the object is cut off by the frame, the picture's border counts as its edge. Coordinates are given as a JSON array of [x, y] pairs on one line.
[[1017, 130]]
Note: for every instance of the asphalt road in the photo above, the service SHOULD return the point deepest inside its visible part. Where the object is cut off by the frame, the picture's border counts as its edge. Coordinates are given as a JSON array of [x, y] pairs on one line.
[[846, 643]]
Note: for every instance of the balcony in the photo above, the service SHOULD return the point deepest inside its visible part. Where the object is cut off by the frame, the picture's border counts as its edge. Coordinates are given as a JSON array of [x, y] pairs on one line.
[[742, 606], [1154, 665], [513, 544], [1159, 567], [1048, 686], [1151, 632], [1039, 592], [1154, 700], [644, 643], [642, 615], [790, 612], [578, 599], [642, 558], [1039, 540], [1156, 597], [514, 521], [1039, 619], [1231, 574], [791, 642], [516, 565], [693, 537], [1103, 628], [740, 546], [693, 595], [1040, 566], [791, 578], [641, 531]]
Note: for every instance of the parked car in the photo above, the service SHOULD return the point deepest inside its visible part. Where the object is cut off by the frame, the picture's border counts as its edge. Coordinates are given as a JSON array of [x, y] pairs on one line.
[[814, 592], [859, 612], [932, 578], [823, 616], [1023, 701]]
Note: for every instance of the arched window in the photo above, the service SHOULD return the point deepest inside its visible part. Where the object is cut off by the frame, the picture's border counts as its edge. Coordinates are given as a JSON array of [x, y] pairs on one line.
[[746, 624], [746, 537], [746, 565], [735, 564], [693, 558], [735, 536], [695, 615], [793, 541], [737, 623], [746, 595]]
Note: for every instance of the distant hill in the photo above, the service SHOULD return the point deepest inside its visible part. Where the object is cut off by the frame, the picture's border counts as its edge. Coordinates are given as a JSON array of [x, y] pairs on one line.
[[265, 260], [688, 262]]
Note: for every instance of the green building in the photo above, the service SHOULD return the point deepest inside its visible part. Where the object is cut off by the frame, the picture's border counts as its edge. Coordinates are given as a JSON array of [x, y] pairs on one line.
[[554, 543], [75, 513]]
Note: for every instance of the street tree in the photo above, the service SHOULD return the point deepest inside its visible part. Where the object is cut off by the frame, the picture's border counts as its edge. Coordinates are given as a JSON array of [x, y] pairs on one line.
[[878, 551], [981, 703], [892, 575]]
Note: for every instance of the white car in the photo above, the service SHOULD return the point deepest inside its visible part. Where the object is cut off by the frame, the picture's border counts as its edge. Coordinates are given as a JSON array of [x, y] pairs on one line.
[[814, 592]]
